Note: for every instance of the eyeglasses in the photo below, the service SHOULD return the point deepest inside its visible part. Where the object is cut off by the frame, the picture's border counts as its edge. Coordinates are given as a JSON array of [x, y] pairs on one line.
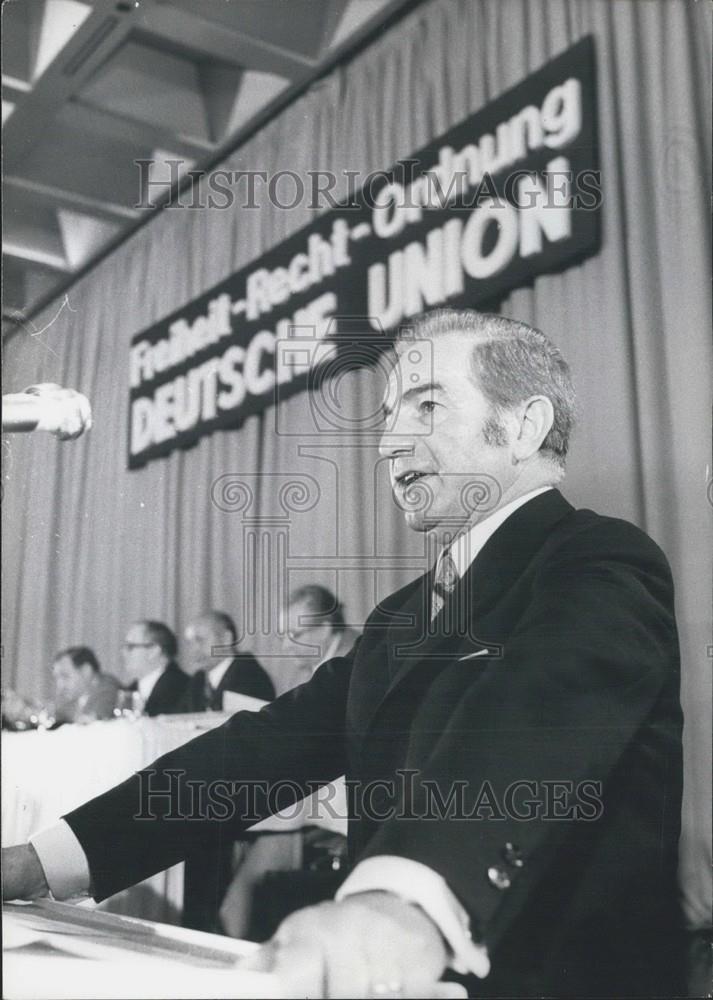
[[293, 634], [128, 646]]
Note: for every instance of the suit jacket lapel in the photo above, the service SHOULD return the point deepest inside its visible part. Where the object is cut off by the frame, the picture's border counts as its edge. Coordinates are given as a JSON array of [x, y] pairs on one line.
[[230, 678], [155, 694], [391, 622], [500, 562], [405, 644], [406, 635]]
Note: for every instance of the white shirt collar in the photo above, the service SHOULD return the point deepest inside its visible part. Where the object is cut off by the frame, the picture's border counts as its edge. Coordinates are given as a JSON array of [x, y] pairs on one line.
[[217, 673], [148, 683], [466, 546]]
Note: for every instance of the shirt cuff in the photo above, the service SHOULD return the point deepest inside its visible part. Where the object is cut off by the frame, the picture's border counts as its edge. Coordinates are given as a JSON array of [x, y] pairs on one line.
[[417, 883], [63, 861]]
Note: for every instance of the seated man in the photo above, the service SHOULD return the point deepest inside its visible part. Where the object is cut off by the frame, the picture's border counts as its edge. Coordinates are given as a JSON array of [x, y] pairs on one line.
[[149, 653], [208, 637], [313, 632], [82, 692]]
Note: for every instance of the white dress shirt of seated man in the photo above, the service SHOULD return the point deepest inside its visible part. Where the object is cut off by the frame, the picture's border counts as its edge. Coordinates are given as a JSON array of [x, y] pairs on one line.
[[149, 647]]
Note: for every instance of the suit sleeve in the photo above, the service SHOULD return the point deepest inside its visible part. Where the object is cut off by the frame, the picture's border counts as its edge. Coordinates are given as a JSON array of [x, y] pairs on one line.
[[218, 785], [102, 706], [251, 679], [595, 650]]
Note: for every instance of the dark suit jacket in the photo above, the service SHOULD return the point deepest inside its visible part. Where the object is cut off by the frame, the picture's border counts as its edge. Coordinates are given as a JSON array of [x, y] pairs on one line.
[[243, 676], [562, 746], [168, 692]]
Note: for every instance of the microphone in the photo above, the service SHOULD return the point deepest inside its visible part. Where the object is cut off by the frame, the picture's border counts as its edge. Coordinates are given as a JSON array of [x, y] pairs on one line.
[[65, 413]]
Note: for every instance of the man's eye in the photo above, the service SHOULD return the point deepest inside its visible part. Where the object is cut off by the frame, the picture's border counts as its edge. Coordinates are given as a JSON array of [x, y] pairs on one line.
[[426, 406]]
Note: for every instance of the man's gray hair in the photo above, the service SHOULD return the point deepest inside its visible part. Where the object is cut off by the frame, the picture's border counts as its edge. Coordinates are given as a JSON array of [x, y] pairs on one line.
[[511, 361]]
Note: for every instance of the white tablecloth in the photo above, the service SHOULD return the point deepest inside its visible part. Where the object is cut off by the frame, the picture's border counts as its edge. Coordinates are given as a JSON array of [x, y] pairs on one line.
[[46, 774]]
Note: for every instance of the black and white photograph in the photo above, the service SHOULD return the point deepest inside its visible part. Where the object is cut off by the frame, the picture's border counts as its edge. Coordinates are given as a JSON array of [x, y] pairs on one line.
[[357, 496]]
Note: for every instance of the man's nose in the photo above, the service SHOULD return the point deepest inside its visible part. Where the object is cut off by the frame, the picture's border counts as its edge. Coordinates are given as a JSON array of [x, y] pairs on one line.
[[394, 443]]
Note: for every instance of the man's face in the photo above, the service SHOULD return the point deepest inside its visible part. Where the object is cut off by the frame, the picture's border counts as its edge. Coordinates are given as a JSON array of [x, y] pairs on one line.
[[443, 472], [141, 655], [201, 637], [70, 682], [299, 635]]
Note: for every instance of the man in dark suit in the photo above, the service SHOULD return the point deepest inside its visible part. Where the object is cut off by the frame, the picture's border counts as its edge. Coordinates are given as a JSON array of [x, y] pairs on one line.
[[313, 631], [509, 723], [211, 639], [82, 692], [150, 650]]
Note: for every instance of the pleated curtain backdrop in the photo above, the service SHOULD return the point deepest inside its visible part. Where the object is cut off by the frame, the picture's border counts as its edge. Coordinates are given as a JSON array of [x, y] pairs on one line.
[[90, 546]]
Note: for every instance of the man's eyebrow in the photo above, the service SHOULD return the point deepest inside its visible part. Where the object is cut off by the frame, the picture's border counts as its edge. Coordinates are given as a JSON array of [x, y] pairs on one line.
[[415, 390]]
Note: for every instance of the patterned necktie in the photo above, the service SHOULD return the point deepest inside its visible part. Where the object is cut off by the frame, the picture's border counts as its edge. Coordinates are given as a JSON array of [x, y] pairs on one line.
[[444, 583]]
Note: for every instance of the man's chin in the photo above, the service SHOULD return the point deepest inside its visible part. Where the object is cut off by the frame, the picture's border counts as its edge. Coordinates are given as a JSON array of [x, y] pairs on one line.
[[442, 527], [417, 521]]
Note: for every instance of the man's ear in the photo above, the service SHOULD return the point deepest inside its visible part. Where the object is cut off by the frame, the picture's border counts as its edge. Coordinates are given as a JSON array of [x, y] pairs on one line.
[[536, 418]]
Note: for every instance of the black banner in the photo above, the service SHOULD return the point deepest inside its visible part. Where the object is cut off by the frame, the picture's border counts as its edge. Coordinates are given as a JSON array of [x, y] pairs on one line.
[[510, 193]]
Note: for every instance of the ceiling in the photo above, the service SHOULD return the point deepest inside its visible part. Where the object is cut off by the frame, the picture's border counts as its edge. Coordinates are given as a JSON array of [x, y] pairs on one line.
[[91, 86]]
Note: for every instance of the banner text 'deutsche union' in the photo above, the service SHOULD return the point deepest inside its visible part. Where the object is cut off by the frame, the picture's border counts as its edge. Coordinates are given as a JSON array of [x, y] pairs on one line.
[[510, 193]]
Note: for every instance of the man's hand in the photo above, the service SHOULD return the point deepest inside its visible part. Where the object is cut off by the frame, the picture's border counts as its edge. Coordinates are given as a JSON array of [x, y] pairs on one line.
[[370, 945], [23, 876]]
